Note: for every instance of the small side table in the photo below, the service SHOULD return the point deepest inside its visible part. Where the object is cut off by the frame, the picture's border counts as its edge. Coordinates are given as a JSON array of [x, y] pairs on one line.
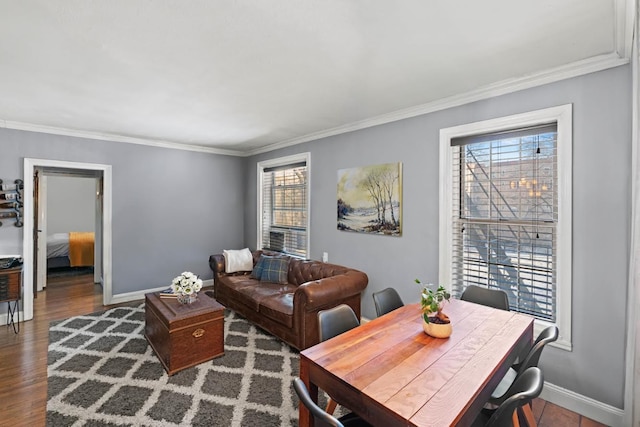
[[10, 284]]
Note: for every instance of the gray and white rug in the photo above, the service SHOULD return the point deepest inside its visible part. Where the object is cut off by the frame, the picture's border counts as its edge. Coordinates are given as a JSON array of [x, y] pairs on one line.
[[102, 372]]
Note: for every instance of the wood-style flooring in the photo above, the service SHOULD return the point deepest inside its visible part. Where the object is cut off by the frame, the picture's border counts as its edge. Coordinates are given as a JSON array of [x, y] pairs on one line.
[[23, 357]]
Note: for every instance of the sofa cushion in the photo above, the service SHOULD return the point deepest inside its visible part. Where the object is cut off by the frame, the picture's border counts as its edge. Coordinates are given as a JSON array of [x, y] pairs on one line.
[[252, 296], [278, 308], [238, 260], [275, 270], [232, 286]]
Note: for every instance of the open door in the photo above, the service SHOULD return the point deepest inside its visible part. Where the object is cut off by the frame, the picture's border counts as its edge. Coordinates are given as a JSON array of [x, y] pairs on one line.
[[97, 266], [40, 230]]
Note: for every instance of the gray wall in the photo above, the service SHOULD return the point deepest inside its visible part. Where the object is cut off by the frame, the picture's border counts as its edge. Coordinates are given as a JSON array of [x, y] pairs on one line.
[[171, 208], [71, 204], [601, 209]]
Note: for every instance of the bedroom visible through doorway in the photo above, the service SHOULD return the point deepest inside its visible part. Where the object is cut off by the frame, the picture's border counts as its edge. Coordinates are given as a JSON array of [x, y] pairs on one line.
[[68, 215]]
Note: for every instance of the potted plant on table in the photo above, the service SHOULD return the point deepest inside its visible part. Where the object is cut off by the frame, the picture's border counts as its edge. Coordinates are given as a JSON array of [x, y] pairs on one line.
[[435, 322]]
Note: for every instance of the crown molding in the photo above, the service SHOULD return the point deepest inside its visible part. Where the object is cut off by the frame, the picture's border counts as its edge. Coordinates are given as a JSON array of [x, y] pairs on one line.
[[31, 127], [504, 87], [625, 14], [579, 68]]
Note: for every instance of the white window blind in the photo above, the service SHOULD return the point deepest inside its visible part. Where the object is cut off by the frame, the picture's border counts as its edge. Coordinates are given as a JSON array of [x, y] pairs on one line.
[[505, 215], [284, 208]]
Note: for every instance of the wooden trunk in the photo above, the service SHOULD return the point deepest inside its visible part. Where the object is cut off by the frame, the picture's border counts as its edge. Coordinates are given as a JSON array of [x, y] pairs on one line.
[[184, 335]]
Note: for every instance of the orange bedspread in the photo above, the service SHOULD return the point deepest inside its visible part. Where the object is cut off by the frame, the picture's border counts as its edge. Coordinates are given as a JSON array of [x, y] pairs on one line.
[[80, 249]]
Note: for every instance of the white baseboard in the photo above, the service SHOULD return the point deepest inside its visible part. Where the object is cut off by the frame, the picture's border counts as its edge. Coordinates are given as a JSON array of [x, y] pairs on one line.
[[117, 299], [138, 295], [583, 405]]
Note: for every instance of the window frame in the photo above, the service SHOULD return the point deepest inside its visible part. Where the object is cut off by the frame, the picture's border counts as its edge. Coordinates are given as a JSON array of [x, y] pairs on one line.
[[562, 115], [283, 161]]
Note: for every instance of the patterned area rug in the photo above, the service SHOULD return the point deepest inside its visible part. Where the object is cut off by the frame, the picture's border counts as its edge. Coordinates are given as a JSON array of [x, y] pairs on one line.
[[102, 372]]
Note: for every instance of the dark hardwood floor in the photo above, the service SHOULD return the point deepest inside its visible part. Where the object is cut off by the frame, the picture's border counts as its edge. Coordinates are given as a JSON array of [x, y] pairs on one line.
[[23, 357]]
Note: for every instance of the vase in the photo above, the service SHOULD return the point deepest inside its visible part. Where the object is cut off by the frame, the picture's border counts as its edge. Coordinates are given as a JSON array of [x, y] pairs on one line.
[[437, 330], [187, 299]]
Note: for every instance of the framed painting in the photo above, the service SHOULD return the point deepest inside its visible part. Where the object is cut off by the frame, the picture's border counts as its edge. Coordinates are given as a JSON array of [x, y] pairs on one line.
[[370, 199]]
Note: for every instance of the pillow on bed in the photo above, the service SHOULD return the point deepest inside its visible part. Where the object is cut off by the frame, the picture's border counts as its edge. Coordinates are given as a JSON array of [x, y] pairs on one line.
[[275, 270], [237, 260]]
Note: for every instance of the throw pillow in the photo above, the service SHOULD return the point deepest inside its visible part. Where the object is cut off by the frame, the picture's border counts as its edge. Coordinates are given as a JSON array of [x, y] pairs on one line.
[[237, 260], [275, 270], [256, 273]]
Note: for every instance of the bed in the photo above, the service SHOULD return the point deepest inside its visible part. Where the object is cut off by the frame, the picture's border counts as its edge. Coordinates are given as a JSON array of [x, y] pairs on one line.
[[73, 249]]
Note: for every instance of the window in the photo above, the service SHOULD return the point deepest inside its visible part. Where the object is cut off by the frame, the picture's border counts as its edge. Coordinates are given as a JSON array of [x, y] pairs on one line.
[[506, 212], [283, 222]]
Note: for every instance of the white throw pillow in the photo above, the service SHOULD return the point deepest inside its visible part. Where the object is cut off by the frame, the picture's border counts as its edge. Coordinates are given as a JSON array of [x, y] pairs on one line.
[[238, 260]]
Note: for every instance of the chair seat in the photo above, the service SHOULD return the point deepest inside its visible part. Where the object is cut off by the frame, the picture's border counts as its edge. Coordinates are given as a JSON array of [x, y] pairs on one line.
[[352, 420], [504, 384], [321, 417], [483, 417]]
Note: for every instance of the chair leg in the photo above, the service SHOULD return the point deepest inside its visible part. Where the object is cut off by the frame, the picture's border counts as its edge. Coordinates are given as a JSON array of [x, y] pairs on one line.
[[331, 406], [515, 419], [527, 411]]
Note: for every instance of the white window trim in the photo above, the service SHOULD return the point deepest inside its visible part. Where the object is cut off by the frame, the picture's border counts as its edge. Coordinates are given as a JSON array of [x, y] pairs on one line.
[[282, 161], [563, 116]]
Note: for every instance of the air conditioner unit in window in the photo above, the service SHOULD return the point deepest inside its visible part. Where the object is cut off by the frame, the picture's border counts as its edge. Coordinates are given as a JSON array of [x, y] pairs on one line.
[[276, 241]]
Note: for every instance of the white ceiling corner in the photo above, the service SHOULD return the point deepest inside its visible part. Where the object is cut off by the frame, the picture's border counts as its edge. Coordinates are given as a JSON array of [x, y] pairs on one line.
[[244, 77]]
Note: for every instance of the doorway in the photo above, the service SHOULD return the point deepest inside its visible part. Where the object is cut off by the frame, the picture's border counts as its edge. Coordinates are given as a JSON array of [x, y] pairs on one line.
[[68, 221], [33, 235]]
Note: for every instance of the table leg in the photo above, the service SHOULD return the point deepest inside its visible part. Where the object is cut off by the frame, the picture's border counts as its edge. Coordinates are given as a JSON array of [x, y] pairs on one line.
[[12, 313]]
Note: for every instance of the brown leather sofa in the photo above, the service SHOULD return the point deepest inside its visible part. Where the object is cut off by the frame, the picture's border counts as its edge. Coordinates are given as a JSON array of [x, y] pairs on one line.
[[289, 311]]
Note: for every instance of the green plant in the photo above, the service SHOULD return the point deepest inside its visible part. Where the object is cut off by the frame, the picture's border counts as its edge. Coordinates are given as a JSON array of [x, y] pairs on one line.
[[432, 301]]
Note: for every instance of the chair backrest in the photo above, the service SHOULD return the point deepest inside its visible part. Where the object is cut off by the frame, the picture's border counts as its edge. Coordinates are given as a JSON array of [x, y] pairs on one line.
[[532, 358], [386, 300], [316, 412], [335, 321], [526, 388], [490, 297]]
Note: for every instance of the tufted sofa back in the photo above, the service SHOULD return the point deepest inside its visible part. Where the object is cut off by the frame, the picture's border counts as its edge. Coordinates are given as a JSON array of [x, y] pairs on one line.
[[303, 271]]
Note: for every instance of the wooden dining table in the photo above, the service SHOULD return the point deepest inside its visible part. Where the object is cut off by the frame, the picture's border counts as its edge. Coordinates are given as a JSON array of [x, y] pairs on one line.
[[391, 373]]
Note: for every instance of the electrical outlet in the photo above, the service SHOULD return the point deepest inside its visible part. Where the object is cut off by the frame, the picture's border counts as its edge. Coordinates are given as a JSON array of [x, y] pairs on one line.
[[325, 256]]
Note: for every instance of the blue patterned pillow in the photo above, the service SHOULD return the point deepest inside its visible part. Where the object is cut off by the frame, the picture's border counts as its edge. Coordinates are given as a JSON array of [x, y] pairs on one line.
[[275, 269], [256, 273]]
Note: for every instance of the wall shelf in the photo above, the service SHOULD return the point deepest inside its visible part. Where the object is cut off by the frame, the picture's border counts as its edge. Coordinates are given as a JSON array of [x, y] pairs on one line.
[[11, 201]]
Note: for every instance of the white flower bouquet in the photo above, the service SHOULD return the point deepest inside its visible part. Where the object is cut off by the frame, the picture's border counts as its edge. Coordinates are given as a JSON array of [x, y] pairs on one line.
[[186, 284]]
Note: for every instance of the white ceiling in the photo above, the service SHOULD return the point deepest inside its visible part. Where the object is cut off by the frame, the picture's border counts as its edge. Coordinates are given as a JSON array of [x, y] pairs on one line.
[[245, 76]]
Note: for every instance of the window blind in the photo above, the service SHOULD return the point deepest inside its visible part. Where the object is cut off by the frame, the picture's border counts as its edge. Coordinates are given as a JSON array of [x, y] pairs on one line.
[[284, 209], [505, 214]]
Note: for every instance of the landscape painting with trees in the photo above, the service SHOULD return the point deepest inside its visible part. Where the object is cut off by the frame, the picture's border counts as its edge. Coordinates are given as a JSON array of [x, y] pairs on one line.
[[370, 199]]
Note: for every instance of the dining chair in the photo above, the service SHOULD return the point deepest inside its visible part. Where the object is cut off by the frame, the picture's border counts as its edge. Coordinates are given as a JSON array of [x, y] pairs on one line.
[[520, 395], [321, 417], [548, 335], [386, 300], [490, 297], [333, 322]]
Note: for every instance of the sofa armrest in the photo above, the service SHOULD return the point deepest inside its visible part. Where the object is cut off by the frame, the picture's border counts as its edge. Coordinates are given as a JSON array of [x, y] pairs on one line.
[[216, 262], [318, 293]]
